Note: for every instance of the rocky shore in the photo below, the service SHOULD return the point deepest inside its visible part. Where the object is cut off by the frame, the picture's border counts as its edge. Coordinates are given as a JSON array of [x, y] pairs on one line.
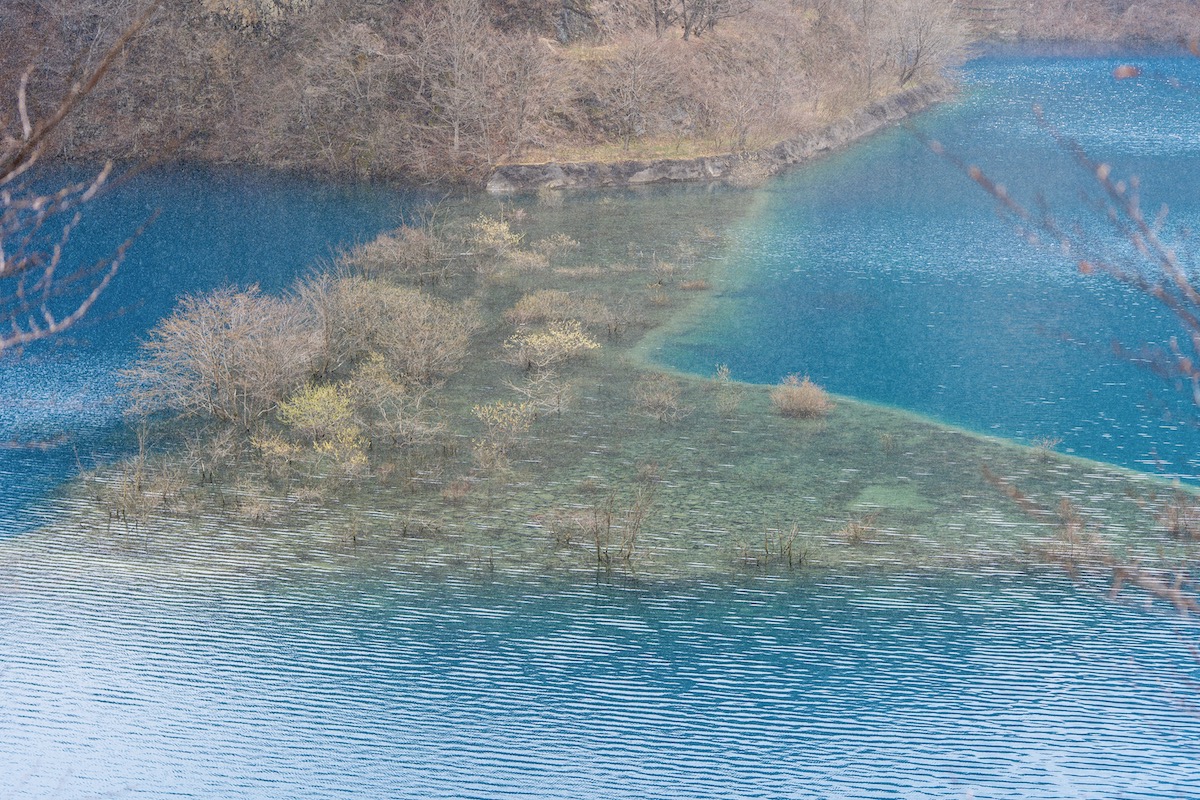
[[516, 178]]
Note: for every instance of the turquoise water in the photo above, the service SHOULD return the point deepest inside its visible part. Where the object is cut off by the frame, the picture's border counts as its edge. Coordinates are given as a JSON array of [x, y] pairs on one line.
[[887, 275], [214, 228], [120, 678], [409, 686]]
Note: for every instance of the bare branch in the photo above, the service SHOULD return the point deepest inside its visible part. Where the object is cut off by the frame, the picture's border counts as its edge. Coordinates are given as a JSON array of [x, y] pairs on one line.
[[39, 298]]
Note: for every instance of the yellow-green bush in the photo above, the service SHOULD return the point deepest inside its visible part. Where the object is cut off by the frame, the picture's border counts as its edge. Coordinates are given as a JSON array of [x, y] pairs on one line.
[[540, 349], [491, 237], [503, 423], [323, 415], [390, 408]]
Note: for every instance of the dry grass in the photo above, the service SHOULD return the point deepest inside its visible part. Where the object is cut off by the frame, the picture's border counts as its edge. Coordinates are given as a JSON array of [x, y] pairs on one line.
[[800, 398], [613, 152], [661, 397]]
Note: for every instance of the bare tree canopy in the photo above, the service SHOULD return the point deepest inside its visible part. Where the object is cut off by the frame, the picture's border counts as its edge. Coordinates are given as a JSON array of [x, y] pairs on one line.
[[40, 295]]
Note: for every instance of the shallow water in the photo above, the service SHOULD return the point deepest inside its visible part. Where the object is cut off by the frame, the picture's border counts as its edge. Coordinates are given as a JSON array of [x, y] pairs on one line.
[[887, 275], [404, 685], [276, 662], [215, 228]]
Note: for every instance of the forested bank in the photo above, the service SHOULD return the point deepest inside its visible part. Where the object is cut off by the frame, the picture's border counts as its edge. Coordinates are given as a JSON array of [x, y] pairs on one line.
[[445, 91], [439, 91]]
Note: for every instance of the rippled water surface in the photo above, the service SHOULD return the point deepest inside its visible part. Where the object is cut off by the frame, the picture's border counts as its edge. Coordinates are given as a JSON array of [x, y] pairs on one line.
[[124, 673], [398, 685], [886, 275]]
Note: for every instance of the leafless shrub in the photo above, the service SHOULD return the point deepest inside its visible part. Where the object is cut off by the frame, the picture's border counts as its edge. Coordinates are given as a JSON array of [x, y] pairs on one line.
[[410, 254], [599, 522], [545, 391], [423, 339], [555, 245], [728, 393], [858, 530], [661, 397], [800, 398], [231, 355], [553, 305], [778, 546]]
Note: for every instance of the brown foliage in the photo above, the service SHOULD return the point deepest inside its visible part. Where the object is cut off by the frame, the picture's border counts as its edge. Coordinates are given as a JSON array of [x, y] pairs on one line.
[[801, 398]]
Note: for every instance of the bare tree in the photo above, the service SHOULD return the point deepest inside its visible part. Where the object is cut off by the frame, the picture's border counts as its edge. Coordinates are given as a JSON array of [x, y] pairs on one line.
[[870, 20], [40, 295], [448, 50], [694, 16], [632, 89], [926, 35]]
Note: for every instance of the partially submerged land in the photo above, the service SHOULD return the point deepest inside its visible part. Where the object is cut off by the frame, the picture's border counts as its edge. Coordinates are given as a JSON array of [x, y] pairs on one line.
[[473, 395], [473, 392]]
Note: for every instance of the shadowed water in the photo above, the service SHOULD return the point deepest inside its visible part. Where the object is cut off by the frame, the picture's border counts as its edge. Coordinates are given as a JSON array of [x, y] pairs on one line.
[[396, 685], [886, 274]]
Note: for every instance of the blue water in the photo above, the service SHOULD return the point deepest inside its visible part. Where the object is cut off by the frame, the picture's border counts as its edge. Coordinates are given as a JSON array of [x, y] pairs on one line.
[[120, 677], [887, 275], [405, 686], [214, 228]]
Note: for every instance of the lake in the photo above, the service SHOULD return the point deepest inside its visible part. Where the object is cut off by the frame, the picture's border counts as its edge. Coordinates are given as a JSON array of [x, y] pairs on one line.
[[886, 275], [883, 274], [412, 685]]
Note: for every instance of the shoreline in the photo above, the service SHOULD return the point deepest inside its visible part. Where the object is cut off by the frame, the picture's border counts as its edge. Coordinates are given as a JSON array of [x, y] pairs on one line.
[[866, 485], [800, 149]]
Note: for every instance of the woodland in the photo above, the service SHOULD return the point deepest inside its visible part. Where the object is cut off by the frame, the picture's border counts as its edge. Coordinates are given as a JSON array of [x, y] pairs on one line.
[[444, 91]]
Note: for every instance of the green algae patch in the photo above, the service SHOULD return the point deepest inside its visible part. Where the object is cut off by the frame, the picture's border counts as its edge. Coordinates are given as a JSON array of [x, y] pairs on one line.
[[901, 497]]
